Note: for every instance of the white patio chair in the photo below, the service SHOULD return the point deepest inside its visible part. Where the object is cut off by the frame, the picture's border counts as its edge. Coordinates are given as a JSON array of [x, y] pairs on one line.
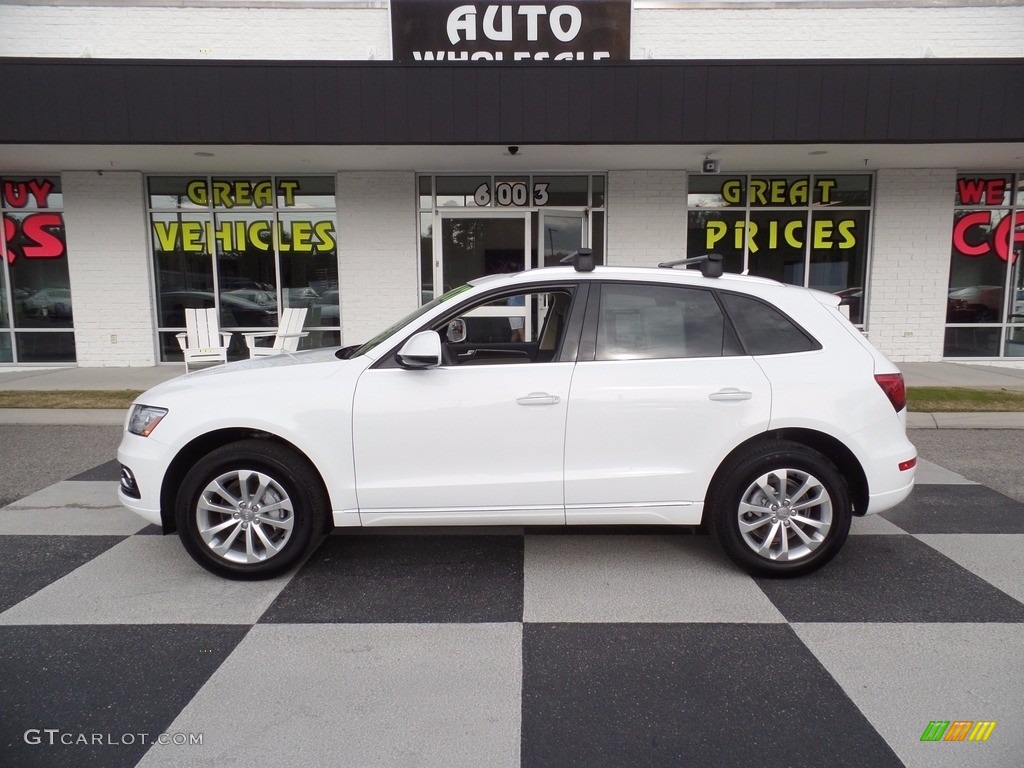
[[286, 337], [203, 341]]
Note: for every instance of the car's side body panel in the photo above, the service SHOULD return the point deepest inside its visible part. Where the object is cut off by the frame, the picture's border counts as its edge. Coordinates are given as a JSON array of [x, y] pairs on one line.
[[644, 437], [485, 439]]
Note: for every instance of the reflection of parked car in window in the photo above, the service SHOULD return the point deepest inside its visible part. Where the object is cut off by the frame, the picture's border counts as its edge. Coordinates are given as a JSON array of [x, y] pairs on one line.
[[49, 302], [234, 311], [1018, 307], [636, 396], [327, 305], [974, 304], [300, 297], [256, 295]]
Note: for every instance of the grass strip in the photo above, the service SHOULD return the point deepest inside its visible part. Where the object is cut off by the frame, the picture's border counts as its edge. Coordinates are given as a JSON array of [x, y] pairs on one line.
[[81, 398], [963, 400]]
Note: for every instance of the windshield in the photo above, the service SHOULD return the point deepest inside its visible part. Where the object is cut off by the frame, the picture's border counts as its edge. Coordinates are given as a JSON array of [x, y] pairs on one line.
[[408, 319]]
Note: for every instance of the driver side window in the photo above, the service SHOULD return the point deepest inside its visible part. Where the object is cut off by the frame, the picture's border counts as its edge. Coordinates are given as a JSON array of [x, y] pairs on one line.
[[523, 327]]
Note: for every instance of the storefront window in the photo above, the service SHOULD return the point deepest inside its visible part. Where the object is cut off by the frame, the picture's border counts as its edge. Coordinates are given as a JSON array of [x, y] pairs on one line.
[[248, 246], [35, 289], [985, 303], [809, 230]]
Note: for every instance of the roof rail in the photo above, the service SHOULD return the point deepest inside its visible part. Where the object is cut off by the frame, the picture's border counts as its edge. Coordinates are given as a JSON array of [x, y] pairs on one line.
[[581, 260], [710, 264]]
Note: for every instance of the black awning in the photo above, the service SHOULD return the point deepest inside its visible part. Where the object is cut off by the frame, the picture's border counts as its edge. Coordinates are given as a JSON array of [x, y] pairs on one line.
[[75, 101]]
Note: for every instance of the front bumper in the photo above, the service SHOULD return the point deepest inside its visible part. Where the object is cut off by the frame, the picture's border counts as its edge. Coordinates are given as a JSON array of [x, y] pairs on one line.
[[146, 459]]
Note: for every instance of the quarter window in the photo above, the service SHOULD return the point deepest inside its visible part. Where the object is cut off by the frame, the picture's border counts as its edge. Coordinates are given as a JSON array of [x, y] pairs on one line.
[[763, 329], [638, 322]]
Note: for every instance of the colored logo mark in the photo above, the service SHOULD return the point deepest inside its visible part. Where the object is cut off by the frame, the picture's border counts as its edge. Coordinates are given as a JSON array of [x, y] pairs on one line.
[[958, 730]]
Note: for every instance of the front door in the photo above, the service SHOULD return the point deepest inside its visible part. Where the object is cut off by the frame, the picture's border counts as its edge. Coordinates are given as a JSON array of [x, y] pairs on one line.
[[474, 243], [560, 233], [478, 439]]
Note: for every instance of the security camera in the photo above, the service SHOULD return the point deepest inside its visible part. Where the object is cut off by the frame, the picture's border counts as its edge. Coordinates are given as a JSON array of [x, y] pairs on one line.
[[513, 151], [710, 165]]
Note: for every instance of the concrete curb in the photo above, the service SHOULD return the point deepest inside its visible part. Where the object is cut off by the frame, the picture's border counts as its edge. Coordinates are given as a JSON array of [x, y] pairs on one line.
[[987, 420], [102, 417]]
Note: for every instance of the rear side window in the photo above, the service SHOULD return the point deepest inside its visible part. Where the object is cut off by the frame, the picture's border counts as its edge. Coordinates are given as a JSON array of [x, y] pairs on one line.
[[642, 322], [763, 329]]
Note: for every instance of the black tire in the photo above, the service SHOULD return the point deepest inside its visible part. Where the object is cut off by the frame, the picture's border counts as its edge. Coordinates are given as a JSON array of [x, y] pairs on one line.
[[265, 516], [754, 521]]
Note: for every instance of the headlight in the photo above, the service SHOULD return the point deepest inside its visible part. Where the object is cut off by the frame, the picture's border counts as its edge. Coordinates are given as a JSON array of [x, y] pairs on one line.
[[144, 419]]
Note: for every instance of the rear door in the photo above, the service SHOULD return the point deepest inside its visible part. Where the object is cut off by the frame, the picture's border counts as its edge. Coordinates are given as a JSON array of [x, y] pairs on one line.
[[660, 395]]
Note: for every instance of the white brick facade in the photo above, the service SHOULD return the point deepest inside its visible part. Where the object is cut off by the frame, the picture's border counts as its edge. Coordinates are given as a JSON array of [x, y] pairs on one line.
[[646, 217], [909, 274], [237, 33], [361, 31], [873, 30], [377, 247], [109, 267]]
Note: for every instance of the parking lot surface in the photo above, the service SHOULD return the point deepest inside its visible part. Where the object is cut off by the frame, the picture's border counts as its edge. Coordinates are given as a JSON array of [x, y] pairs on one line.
[[511, 647]]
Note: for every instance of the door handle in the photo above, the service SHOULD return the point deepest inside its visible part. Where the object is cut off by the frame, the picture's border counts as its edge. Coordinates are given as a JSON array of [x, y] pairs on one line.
[[539, 398], [730, 394]]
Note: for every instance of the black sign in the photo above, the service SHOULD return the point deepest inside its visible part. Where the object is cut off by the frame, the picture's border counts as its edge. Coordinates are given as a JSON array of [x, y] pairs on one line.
[[447, 30]]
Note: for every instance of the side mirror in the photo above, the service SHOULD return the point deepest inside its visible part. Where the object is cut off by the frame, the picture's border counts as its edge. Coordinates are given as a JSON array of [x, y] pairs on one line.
[[421, 351], [456, 332]]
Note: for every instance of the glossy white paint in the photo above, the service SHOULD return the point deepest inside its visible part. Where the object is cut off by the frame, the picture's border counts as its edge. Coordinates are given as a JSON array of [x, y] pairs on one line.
[[540, 443], [461, 438], [647, 431]]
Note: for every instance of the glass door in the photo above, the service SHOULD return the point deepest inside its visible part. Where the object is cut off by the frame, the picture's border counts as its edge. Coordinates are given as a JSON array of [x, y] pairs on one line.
[[473, 244], [559, 234]]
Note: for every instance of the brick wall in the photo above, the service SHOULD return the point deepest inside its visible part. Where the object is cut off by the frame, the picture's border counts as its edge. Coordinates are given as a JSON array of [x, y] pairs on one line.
[[874, 30], [909, 280], [310, 31], [646, 217], [198, 33], [108, 261], [377, 245]]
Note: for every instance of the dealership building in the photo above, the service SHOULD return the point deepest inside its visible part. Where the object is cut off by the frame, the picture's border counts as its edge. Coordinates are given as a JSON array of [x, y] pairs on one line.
[[359, 158]]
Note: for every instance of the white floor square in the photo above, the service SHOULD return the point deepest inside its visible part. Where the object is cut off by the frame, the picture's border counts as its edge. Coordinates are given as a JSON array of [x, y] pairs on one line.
[[903, 676], [417, 695], [146, 580], [71, 508]]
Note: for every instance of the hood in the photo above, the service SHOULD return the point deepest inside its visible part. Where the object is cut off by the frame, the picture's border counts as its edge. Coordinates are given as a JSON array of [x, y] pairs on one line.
[[282, 366]]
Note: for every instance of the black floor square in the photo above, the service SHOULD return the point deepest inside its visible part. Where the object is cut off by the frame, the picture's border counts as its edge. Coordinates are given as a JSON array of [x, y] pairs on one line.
[[685, 695], [406, 579], [110, 470], [107, 683], [33, 562], [957, 509], [891, 578]]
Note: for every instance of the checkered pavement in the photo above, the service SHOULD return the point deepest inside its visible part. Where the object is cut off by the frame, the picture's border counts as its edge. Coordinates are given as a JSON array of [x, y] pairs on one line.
[[511, 647]]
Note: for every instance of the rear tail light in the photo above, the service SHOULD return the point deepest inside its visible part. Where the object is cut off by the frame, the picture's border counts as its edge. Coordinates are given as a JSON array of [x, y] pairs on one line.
[[894, 388]]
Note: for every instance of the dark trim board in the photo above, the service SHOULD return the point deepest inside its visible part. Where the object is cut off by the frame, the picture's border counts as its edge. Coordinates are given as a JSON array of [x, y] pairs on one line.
[[75, 101]]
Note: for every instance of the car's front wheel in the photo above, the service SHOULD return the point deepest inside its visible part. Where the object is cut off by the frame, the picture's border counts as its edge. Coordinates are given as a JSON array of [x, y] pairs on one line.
[[250, 510], [780, 509]]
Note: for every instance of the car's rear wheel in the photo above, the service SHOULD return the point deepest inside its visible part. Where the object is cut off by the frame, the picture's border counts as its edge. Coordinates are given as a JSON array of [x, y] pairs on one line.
[[780, 509], [250, 510]]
